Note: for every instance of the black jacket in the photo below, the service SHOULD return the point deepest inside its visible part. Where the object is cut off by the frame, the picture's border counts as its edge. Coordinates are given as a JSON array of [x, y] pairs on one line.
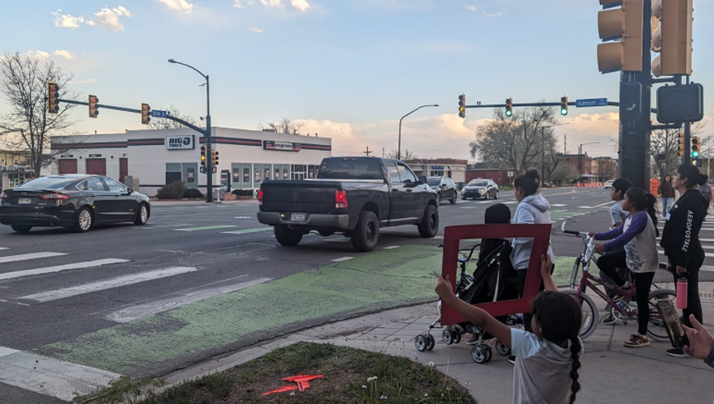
[[680, 238]]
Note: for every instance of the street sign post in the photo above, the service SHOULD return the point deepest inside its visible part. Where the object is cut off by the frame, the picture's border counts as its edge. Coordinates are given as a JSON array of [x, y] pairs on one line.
[[593, 102], [158, 114]]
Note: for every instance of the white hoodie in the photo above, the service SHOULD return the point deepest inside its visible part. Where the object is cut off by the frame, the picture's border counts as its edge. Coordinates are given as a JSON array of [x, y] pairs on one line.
[[534, 209]]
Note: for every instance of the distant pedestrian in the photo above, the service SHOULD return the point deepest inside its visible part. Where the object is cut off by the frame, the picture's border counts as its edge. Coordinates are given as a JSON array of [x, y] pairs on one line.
[[680, 239], [666, 191], [706, 190]]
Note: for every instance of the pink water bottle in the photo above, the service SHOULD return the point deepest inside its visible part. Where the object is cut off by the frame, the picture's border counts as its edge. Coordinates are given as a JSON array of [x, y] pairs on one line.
[[682, 293]]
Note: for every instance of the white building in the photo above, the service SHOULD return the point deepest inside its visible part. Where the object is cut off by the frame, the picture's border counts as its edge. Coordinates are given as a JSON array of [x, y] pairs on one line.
[[159, 157]]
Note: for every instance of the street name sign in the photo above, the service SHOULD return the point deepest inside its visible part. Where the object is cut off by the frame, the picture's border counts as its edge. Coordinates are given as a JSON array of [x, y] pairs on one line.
[[158, 114], [593, 102]]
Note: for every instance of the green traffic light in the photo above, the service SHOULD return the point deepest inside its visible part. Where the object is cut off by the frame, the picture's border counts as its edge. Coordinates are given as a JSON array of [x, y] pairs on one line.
[[564, 112], [695, 154], [509, 113]]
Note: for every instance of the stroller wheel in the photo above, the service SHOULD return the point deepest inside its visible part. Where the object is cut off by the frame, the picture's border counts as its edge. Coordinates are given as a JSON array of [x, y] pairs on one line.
[[502, 348], [457, 337], [478, 354], [430, 342], [420, 343], [448, 336]]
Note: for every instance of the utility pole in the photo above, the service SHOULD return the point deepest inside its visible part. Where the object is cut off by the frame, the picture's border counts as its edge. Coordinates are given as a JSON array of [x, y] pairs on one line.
[[382, 152], [565, 144], [368, 152]]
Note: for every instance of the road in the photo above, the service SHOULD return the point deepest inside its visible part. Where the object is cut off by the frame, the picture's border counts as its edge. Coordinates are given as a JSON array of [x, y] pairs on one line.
[[203, 279]]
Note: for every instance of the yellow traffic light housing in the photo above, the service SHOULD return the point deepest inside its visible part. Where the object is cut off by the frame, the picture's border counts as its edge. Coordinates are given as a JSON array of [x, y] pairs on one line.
[[682, 142], [624, 24], [462, 106], [52, 98], [203, 155], [145, 113], [695, 147], [564, 105], [93, 110], [214, 157], [509, 107], [672, 37]]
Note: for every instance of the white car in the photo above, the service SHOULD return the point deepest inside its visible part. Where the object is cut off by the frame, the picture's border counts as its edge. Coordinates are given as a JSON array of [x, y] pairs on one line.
[[608, 184]]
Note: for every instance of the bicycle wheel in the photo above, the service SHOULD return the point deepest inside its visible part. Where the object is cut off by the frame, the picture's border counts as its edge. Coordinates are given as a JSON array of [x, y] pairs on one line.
[[656, 328], [574, 274], [590, 314]]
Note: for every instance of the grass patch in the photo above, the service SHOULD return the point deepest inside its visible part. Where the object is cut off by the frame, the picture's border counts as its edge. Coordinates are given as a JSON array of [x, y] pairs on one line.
[[392, 379]]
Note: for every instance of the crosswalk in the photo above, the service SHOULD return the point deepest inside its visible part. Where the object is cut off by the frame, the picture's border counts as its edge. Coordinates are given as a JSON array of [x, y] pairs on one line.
[[706, 237]]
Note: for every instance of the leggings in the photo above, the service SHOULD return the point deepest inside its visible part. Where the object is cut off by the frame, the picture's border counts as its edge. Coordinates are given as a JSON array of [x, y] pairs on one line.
[[694, 305], [521, 284], [613, 266], [643, 283]]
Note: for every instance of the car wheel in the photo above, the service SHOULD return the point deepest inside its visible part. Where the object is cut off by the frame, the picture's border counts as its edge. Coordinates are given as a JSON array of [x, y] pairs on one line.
[[142, 216], [21, 229], [84, 221], [366, 235], [487, 196], [496, 195], [429, 225], [287, 236], [453, 199]]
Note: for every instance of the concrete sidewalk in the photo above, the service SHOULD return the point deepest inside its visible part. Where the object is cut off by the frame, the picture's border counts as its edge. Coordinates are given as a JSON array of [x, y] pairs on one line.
[[610, 372]]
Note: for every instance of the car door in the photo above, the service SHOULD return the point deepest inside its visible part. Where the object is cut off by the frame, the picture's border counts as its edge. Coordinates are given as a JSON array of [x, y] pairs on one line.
[[124, 206], [398, 203], [102, 200], [416, 194]]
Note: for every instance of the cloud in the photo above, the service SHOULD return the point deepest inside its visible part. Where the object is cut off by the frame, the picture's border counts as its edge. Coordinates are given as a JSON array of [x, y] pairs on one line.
[[253, 29], [472, 8], [238, 4], [491, 15], [38, 54], [272, 3], [82, 81], [66, 20], [109, 18], [301, 5], [64, 54], [181, 5]]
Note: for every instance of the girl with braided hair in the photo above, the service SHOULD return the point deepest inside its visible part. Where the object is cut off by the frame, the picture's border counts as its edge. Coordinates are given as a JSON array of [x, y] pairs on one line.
[[547, 359]]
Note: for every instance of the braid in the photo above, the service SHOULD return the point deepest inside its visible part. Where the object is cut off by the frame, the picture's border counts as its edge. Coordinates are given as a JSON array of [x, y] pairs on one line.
[[575, 355]]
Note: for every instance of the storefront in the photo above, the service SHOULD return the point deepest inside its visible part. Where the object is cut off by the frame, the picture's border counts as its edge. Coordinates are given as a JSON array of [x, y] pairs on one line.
[[454, 169], [159, 157]]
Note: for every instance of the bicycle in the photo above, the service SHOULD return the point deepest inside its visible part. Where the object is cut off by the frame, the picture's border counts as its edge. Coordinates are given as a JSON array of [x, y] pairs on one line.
[[623, 310]]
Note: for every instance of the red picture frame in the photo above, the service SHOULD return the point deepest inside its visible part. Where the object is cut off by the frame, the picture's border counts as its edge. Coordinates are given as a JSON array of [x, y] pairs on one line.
[[540, 233]]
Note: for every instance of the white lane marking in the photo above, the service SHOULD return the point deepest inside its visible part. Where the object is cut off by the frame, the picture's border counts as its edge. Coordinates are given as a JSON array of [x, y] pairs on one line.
[[30, 256], [242, 217], [342, 259], [107, 284], [3, 248], [559, 205], [596, 206], [392, 247], [710, 255], [510, 202], [4, 351], [51, 377], [58, 268], [707, 268], [135, 312]]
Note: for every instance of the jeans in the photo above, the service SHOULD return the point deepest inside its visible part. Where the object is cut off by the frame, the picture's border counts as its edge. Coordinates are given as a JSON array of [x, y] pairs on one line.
[[666, 206]]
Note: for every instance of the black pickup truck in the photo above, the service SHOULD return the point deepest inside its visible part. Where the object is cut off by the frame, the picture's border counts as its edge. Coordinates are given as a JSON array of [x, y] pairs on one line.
[[355, 196]]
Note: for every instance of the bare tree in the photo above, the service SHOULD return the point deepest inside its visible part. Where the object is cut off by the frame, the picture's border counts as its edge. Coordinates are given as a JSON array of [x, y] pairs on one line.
[[28, 125], [516, 142], [285, 125], [407, 157], [564, 173], [163, 123]]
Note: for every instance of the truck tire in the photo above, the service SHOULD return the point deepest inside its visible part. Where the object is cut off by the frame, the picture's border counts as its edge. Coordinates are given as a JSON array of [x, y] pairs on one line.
[[429, 225], [366, 235], [287, 236]]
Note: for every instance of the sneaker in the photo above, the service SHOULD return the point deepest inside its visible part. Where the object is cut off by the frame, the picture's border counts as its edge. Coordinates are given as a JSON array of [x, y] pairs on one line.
[[637, 341], [609, 320], [512, 359], [677, 353], [473, 340]]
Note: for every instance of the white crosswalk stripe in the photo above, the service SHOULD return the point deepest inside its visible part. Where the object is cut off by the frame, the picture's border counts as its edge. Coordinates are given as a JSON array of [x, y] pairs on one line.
[[705, 234], [30, 256], [60, 268]]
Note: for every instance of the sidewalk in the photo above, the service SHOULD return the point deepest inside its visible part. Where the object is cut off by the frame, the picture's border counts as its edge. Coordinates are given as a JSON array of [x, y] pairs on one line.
[[610, 372]]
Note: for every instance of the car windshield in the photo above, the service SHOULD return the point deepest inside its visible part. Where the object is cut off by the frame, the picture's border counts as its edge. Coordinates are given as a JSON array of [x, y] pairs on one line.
[[478, 184], [345, 169], [433, 182], [48, 183]]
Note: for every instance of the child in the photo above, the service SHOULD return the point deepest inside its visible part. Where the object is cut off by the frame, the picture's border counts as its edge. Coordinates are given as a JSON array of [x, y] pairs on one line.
[[549, 358], [638, 235]]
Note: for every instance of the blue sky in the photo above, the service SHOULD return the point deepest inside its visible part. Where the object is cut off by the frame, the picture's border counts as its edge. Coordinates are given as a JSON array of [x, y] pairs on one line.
[[348, 69]]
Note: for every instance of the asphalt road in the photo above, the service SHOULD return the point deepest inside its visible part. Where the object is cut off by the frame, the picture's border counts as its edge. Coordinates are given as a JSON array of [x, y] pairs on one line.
[[202, 279]]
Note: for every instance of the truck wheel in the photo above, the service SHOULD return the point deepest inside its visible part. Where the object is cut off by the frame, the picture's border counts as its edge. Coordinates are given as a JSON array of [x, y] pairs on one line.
[[429, 225], [287, 236], [366, 235]]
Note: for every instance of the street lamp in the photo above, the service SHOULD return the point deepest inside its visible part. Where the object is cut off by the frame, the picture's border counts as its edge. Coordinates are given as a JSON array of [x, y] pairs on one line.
[[206, 133], [580, 155], [542, 152], [399, 147]]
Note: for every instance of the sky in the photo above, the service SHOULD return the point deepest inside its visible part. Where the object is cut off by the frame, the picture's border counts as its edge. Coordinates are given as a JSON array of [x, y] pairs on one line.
[[345, 69]]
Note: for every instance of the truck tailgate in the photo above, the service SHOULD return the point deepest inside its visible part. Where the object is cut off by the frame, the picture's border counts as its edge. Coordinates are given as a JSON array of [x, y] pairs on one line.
[[299, 196]]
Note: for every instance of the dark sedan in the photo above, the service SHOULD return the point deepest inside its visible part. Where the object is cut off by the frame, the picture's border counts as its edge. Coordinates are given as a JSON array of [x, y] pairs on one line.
[[444, 187], [480, 188], [74, 201]]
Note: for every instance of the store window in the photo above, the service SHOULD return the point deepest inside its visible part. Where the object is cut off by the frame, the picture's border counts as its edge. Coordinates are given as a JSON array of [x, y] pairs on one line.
[[257, 175], [247, 179], [266, 172], [173, 172], [299, 172]]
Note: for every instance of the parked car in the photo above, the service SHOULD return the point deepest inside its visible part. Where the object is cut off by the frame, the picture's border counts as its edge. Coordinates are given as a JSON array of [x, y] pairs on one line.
[[444, 188], [480, 188], [355, 196], [608, 184], [74, 201]]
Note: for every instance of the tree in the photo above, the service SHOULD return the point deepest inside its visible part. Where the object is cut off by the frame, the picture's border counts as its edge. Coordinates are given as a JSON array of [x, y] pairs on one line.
[[564, 173], [285, 125], [28, 125], [163, 123], [516, 143], [407, 156]]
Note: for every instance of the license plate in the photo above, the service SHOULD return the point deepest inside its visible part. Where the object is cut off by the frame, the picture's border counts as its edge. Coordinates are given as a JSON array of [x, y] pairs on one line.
[[297, 217], [24, 201]]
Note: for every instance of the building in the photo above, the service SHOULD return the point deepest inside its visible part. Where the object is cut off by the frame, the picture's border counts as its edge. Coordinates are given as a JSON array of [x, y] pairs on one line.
[[454, 169], [579, 162], [15, 168], [604, 168], [159, 157]]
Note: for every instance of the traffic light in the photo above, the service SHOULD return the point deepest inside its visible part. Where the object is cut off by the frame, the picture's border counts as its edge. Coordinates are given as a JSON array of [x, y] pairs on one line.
[[203, 156], [681, 144], [695, 147], [462, 106], [214, 157], [672, 37], [564, 105], [623, 25], [509, 107], [93, 110], [145, 113], [52, 98]]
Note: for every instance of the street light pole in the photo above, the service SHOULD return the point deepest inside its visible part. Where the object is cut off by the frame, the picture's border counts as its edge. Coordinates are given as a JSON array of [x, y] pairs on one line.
[[206, 133], [542, 152], [399, 147]]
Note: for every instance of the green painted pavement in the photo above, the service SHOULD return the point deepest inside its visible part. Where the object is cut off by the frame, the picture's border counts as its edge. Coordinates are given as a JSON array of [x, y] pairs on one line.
[[377, 281], [247, 231]]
